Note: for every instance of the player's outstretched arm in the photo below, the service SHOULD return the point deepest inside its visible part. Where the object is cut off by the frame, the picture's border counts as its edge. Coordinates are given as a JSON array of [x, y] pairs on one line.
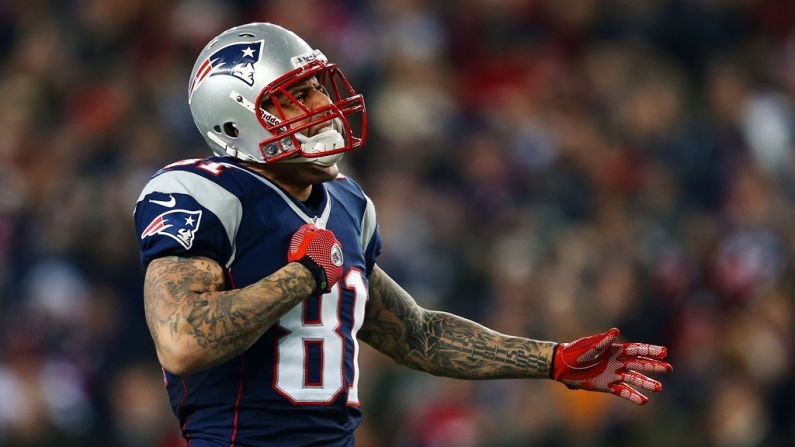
[[444, 344], [195, 324], [448, 345]]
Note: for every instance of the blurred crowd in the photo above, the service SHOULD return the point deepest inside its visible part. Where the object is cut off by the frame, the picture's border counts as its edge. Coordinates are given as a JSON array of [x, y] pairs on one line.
[[549, 168]]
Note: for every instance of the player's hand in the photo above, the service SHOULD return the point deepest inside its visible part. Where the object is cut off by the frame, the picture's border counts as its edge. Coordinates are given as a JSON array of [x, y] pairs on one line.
[[320, 252], [595, 363]]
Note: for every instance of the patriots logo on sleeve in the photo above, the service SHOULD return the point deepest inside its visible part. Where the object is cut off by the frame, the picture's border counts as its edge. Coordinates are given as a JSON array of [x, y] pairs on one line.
[[180, 225], [233, 60]]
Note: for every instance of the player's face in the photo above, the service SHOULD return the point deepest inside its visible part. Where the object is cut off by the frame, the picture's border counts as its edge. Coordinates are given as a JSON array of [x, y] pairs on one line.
[[312, 95]]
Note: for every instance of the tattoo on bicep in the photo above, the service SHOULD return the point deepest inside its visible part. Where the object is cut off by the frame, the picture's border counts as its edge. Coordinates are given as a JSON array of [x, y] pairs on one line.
[[441, 343], [391, 315], [172, 288]]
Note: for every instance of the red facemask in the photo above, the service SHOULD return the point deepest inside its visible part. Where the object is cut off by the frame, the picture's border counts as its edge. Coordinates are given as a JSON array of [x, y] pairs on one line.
[[344, 103]]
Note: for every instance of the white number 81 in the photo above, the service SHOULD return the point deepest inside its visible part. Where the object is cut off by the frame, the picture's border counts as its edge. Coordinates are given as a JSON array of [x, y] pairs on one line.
[[291, 376]]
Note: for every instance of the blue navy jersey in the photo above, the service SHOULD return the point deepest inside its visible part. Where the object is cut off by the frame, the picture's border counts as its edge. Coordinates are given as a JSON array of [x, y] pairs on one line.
[[297, 385]]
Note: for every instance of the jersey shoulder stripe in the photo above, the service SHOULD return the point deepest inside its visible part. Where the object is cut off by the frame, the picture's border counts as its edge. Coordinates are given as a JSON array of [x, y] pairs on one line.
[[369, 223], [212, 196]]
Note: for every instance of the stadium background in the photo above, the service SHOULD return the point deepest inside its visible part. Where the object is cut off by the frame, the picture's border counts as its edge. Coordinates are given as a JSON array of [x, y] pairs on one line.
[[549, 168]]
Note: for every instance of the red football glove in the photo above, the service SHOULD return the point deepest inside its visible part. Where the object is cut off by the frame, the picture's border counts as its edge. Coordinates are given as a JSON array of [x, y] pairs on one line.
[[595, 363], [320, 252]]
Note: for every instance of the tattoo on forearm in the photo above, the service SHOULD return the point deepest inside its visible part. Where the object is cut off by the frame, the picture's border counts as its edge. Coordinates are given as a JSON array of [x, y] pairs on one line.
[[445, 344], [185, 303], [449, 345]]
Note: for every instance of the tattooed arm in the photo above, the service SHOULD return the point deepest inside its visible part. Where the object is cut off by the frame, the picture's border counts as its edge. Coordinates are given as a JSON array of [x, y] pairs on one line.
[[444, 344], [195, 324]]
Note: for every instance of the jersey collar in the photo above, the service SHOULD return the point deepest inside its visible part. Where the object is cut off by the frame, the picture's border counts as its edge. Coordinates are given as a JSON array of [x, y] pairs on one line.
[[319, 218]]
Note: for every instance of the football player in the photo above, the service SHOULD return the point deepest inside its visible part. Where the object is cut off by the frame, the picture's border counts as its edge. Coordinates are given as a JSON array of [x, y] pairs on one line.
[[261, 274]]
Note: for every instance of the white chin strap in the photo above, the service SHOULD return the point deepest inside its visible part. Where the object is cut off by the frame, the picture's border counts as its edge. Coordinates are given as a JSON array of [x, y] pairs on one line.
[[327, 140]]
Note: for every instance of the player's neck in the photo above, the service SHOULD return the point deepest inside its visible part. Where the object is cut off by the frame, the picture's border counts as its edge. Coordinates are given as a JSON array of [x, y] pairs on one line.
[[298, 191]]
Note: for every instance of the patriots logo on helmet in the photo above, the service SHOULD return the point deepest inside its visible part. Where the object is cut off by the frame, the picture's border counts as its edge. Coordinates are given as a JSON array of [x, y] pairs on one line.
[[233, 60], [180, 225]]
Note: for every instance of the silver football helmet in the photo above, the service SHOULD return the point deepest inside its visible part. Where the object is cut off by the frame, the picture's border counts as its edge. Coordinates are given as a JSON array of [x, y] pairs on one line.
[[250, 67]]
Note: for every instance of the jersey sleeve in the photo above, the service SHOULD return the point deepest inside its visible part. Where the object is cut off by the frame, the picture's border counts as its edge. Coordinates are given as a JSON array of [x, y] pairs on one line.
[[371, 237], [181, 213]]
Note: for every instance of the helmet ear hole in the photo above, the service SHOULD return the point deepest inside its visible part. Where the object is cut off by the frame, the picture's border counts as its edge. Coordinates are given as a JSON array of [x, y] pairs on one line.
[[231, 130], [217, 128]]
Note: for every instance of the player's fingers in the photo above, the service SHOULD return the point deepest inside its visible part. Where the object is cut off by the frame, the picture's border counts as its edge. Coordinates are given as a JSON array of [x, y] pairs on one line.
[[648, 365], [639, 380], [302, 247], [627, 392], [642, 349]]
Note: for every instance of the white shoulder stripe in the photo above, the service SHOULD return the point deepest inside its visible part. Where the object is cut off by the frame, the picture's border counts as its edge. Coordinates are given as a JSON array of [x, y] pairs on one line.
[[226, 207], [369, 223]]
